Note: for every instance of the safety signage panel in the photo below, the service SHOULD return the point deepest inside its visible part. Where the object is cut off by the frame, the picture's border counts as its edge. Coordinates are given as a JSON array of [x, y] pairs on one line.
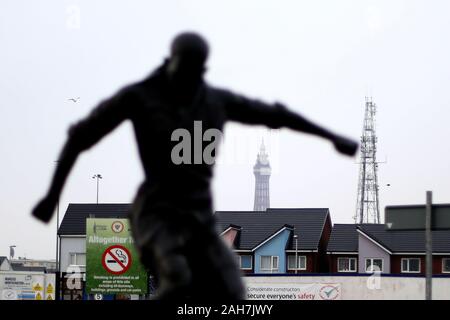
[[26, 286], [112, 262]]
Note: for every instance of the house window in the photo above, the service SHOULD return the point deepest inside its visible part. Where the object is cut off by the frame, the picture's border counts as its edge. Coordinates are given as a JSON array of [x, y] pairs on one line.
[[446, 265], [301, 263], [269, 263], [411, 265], [374, 265], [245, 262], [77, 259], [346, 264]]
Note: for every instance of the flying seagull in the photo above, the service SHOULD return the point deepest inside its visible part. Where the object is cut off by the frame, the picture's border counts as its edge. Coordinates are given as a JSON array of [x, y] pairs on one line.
[[74, 99]]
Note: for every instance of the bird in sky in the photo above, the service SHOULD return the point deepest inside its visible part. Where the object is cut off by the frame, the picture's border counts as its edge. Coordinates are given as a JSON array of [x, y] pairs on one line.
[[74, 99]]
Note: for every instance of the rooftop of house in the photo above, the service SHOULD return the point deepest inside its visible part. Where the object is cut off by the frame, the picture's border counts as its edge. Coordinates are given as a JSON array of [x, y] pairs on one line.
[[257, 226], [344, 238], [21, 267], [254, 227], [74, 221]]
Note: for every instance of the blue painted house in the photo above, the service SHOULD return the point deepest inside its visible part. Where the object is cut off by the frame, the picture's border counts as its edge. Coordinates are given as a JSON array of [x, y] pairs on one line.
[[277, 240], [270, 255]]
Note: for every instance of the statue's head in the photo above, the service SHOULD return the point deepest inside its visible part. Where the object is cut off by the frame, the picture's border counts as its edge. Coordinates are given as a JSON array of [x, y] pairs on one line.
[[188, 55]]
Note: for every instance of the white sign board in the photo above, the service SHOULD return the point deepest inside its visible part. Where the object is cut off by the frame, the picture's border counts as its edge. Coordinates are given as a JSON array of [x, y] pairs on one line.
[[26, 286], [293, 291]]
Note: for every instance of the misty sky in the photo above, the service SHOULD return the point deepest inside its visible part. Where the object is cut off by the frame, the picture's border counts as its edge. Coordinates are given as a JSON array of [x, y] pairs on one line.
[[321, 58]]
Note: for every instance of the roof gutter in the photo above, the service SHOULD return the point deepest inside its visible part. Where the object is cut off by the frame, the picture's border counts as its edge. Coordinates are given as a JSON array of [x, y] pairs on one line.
[[420, 253], [72, 235], [342, 252]]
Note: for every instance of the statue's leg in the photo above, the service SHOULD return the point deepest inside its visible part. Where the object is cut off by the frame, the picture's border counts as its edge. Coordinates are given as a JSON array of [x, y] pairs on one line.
[[219, 273], [184, 252], [160, 245], [192, 261], [165, 254], [216, 275]]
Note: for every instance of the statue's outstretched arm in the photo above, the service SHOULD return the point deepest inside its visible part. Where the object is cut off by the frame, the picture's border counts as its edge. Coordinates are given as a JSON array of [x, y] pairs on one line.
[[84, 134], [276, 115]]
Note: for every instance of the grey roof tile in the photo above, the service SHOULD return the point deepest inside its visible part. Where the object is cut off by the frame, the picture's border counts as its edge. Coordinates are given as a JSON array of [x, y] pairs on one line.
[[407, 240], [344, 238], [74, 221], [255, 226], [258, 226], [20, 267]]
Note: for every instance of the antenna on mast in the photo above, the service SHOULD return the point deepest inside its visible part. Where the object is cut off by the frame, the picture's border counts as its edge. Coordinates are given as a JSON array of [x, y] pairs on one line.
[[368, 204]]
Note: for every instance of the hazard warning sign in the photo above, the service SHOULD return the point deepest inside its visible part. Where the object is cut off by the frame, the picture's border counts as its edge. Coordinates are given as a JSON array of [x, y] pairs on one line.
[[116, 259], [37, 287]]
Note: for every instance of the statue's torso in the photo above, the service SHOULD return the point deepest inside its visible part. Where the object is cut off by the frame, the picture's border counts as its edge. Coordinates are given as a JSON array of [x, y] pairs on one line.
[[155, 117]]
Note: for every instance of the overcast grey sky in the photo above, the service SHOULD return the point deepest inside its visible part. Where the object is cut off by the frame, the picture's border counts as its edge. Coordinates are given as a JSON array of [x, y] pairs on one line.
[[319, 57]]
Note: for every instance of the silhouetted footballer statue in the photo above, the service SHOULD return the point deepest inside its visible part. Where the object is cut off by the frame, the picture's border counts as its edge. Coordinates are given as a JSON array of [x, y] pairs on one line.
[[172, 215]]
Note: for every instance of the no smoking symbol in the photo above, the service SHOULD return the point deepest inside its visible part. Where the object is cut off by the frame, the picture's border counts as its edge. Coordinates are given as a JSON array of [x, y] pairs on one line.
[[116, 259]]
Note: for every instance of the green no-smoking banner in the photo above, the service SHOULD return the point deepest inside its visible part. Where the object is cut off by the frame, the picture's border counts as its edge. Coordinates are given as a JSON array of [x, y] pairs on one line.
[[112, 262]]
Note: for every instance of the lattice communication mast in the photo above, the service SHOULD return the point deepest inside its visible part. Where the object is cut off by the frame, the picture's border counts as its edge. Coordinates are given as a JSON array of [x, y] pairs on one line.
[[368, 206]]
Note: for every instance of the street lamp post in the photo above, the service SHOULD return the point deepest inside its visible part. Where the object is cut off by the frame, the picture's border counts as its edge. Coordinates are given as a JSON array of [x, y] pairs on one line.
[[296, 252], [97, 176], [58, 269]]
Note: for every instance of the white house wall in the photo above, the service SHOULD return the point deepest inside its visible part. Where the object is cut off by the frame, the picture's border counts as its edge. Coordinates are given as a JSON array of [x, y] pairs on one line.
[[68, 246], [5, 266], [368, 249]]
